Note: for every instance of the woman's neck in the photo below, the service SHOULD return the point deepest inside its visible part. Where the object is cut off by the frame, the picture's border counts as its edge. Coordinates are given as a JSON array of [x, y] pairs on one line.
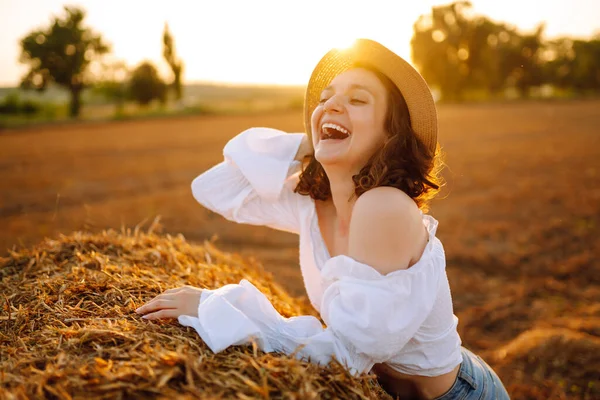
[[342, 189]]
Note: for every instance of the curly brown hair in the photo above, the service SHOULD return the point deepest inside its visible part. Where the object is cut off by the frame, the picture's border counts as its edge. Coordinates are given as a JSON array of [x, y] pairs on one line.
[[403, 161]]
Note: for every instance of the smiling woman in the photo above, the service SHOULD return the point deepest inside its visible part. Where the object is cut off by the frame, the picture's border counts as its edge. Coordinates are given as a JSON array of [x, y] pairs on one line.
[[354, 188]]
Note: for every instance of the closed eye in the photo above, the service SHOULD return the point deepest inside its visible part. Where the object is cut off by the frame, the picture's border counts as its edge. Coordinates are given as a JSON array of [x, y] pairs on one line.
[[352, 101]]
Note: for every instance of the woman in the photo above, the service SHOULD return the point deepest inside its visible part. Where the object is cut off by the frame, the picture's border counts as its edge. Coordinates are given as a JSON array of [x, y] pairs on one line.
[[354, 188]]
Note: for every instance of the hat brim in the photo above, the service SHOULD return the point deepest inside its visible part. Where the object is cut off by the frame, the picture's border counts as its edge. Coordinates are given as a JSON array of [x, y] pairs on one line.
[[414, 89]]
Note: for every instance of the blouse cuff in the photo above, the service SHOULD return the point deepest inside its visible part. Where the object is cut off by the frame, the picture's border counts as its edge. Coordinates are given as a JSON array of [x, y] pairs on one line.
[[206, 293]]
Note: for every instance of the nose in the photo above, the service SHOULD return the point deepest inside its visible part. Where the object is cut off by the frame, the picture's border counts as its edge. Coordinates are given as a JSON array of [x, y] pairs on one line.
[[333, 105]]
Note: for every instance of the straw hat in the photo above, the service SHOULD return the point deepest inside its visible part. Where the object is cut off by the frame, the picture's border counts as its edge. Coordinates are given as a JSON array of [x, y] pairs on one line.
[[421, 107]]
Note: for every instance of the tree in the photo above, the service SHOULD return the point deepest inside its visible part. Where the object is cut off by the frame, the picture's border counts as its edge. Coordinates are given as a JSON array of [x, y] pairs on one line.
[[440, 48], [111, 84], [175, 63], [61, 53], [585, 74], [520, 60], [573, 64], [145, 85], [456, 52], [484, 41]]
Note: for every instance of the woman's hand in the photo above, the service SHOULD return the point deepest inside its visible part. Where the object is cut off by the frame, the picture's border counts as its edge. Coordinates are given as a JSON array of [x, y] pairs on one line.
[[304, 149], [172, 303]]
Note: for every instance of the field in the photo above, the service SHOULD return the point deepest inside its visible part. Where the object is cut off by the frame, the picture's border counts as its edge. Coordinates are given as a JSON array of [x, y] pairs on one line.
[[519, 218]]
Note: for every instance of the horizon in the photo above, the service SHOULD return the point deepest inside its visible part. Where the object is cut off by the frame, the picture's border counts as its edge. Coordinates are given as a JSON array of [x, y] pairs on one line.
[[264, 51], [205, 83]]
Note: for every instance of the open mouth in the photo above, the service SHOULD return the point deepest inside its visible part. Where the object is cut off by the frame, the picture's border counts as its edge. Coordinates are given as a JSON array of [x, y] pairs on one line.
[[333, 131]]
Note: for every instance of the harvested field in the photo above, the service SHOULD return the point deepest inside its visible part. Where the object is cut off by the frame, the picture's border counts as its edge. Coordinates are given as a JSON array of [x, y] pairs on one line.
[[519, 219]]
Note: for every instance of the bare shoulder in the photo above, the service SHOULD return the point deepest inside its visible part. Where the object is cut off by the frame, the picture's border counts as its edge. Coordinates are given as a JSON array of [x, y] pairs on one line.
[[386, 203], [387, 195], [386, 230]]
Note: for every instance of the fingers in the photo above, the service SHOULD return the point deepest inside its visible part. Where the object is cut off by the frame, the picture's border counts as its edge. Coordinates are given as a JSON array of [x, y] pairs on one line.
[[162, 296], [164, 313], [156, 304], [171, 303], [168, 293]]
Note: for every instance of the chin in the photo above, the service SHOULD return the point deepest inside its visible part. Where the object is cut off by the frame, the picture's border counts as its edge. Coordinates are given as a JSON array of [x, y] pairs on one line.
[[326, 158], [332, 153]]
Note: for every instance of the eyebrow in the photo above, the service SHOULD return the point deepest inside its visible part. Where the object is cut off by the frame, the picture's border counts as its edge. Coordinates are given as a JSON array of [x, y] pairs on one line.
[[352, 86]]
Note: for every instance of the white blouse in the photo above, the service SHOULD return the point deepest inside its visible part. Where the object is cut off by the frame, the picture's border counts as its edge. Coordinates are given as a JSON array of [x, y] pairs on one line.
[[404, 319]]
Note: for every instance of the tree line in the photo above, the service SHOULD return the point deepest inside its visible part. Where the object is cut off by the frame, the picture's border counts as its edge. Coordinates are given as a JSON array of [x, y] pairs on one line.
[[459, 53]]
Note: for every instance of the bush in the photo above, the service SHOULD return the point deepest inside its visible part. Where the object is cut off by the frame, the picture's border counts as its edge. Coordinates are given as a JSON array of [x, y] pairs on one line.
[[12, 105], [146, 86], [30, 108]]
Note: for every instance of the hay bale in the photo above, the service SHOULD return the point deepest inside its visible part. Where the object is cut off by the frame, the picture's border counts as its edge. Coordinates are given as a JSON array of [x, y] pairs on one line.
[[68, 327]]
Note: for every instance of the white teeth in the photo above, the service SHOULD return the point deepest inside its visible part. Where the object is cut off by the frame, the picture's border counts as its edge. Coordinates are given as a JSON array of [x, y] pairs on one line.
[[334, 126]]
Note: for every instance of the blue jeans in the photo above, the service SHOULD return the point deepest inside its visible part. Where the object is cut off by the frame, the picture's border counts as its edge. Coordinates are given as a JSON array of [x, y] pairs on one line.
[[476, 380]]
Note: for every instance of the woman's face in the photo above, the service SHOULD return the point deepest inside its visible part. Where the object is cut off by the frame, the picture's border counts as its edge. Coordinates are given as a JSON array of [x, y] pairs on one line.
[[348, 123]]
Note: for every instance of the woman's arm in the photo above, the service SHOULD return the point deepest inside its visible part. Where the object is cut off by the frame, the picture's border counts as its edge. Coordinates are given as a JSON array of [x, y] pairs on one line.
[[369, 317], [251, 184]]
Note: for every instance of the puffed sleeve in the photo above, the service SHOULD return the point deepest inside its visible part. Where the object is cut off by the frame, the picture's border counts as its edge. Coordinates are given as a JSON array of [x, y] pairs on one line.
[[377, 315], [249, 185], [369, 316]]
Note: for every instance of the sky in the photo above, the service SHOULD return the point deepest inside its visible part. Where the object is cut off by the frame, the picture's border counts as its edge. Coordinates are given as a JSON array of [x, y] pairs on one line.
[[265, 41]]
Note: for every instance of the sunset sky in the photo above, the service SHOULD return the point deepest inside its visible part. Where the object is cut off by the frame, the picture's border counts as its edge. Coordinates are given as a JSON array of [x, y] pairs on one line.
[[264, 41]]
